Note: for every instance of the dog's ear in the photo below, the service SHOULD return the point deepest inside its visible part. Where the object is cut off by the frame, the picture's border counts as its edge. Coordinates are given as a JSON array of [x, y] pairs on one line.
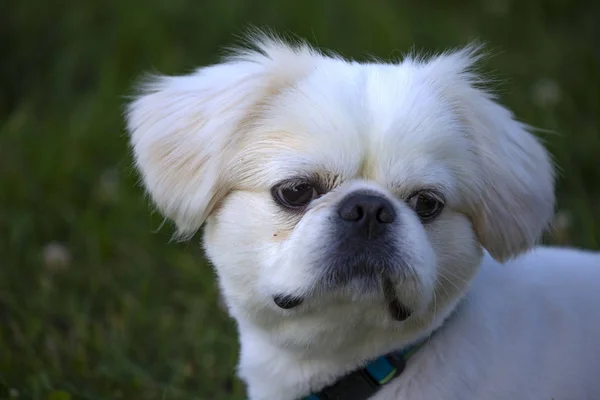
[[516, 178], [183, 129]]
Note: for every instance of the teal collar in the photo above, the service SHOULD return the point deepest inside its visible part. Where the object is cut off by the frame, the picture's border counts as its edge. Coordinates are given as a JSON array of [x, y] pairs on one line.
[[363, 383]]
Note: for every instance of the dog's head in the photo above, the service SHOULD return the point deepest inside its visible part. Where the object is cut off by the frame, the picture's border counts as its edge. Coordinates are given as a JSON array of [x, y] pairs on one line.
[[340, 198]]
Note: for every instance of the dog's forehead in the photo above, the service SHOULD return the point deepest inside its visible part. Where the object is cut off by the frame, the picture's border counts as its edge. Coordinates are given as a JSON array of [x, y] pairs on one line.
[[386, 123]]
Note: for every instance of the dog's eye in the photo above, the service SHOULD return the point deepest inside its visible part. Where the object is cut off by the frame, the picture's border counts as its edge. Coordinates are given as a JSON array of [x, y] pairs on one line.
[[427, 205], [295, 196]]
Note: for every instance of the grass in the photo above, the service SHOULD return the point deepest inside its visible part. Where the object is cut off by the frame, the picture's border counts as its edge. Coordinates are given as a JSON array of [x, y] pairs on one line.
[[95, 302]]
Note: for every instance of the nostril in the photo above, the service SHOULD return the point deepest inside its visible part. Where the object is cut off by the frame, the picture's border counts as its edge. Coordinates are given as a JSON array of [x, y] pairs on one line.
[[386, 215], [360, 212], [352, 213]]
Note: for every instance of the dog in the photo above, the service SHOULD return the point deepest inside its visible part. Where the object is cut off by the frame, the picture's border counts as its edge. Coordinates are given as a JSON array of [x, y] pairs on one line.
[[358, 210]]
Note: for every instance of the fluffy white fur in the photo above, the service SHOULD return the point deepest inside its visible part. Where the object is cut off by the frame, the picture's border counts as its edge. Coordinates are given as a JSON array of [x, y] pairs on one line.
[[212, 144]]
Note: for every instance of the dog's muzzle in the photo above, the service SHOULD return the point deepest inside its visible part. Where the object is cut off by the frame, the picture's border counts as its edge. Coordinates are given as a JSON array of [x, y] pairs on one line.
[[363, 249]]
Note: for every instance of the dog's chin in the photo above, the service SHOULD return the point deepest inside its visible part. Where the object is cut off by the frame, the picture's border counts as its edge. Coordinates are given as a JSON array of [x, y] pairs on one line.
[[325, 322], [400, 294]]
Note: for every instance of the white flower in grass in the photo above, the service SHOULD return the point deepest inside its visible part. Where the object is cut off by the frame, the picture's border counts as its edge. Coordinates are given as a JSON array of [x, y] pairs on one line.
[[108, 186], [546, 93], [561, 227], [56, 257]]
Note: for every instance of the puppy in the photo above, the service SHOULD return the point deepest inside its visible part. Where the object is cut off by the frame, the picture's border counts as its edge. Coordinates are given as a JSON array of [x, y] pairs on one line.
[[353, 210]]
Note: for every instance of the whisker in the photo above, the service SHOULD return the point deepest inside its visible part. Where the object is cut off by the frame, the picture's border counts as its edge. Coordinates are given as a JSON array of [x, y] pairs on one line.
[[441, 275], [453, 274]]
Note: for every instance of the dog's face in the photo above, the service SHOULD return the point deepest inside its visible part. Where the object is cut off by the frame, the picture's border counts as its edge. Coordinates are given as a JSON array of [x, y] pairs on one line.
[[341, 200]]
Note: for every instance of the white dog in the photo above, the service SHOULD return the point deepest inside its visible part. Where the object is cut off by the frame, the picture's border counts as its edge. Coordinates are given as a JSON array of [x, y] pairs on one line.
[[354, 210]]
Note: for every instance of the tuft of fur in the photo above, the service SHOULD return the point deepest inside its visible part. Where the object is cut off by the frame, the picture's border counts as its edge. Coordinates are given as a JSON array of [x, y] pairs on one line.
[[517, 200], [182, 127]]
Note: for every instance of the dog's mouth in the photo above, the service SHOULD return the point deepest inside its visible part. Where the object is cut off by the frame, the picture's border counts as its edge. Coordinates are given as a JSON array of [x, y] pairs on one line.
[[287, 302], [397, 310]]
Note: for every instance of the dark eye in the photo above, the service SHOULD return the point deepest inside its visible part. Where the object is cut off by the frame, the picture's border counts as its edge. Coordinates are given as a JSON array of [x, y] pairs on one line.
[[295, 195], [427, 205]]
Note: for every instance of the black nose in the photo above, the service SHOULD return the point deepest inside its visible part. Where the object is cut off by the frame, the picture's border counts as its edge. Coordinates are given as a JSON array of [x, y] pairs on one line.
[[369, 213]]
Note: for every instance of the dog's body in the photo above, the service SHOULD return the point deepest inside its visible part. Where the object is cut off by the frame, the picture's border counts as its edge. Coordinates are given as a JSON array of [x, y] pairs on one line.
[[527, 329], [347, 210]]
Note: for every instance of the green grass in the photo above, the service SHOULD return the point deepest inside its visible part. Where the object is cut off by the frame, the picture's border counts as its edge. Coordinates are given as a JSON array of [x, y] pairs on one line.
[[130, 315]]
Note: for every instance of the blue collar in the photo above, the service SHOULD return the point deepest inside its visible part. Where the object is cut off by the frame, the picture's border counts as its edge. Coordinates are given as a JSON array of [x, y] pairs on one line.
[[363, 383]]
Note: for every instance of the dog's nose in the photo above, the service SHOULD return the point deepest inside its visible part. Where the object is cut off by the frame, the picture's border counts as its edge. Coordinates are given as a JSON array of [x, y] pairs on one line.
[[368, 213]]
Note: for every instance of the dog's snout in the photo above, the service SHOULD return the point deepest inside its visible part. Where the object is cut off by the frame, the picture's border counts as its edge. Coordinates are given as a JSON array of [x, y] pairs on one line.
[[365, 208], [369, 213]]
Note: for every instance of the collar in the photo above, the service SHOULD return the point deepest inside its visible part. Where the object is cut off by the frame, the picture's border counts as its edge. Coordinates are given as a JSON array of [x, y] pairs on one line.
[[363, 383]]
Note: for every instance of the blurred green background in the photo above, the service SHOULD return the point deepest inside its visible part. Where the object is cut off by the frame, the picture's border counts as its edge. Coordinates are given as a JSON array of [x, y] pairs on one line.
[[95, 302]]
